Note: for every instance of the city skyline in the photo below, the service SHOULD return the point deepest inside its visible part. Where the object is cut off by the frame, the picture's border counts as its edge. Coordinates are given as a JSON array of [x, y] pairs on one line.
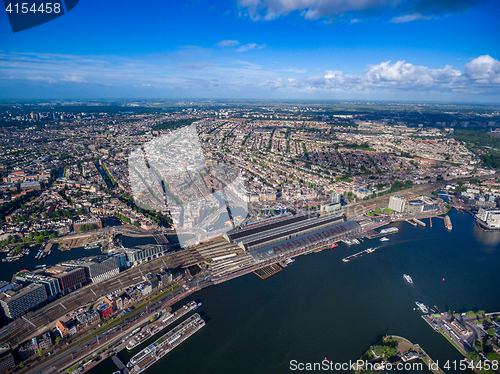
[[259, 49]]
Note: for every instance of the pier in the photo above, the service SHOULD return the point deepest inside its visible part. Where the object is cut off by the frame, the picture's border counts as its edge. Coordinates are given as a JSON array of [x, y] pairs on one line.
[[359, 254], [419, 222], [120, 364], [268, 271], [411, 222]]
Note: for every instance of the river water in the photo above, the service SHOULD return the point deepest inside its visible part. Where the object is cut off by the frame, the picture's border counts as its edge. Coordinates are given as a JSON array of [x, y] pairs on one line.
[[322, 307]]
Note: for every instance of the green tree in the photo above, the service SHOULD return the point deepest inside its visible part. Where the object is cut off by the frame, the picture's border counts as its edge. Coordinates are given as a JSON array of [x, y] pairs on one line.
[[58, 339], [40, 352], [21, 364], [491, 331]]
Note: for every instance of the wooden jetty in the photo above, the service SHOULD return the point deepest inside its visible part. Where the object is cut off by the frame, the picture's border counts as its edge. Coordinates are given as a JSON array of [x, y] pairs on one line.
[[268, 271]]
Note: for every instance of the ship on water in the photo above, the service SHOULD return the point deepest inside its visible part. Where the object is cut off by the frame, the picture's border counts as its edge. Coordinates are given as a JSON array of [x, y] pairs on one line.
[[289, 261], [408, 278], [389, 230], [155, 328], [422, 307], [155, 351], [447, 222], [384, 239], [334, 245]]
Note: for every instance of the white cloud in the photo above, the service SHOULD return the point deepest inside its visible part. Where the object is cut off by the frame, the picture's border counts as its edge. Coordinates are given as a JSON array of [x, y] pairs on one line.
[[310, 9], [228, 43], [250, 46], [355, 10], [216, 77], [484, 70], [409, 18]]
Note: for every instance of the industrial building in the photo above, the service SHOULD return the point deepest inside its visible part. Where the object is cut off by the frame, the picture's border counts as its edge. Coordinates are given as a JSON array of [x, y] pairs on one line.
[[145, 253], [97, 268], [289, 235], [20, 300], [69, 278], [306, 242], [51, 284], [290, 227]]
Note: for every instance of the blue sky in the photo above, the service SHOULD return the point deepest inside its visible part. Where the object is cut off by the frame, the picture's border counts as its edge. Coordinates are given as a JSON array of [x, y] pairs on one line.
[[433, 50]]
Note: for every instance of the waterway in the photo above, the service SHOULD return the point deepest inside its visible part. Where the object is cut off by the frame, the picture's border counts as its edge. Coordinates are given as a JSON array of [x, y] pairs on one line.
[[322, 307], [28, 262]]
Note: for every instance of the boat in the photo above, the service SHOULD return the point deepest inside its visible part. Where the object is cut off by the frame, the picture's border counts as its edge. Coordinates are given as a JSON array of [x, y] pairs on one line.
[[389, 230], [408, 278], [155, 351], [384, 239], [40, 266], [289, 261], [447, 222], [370, 250], [422, 307], [334, 245], [138, 339]]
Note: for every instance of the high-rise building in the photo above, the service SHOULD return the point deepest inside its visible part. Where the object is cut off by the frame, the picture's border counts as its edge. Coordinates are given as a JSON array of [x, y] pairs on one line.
[[19, 300], [51, 284], [397, 203], [336, 197]]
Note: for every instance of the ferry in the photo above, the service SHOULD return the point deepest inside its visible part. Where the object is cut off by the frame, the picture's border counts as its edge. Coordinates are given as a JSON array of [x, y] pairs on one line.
[[422, 307], [447, 222], [408, 278], [384, 239], [157, 327], [155, 351], [389, 230], [289, 261]]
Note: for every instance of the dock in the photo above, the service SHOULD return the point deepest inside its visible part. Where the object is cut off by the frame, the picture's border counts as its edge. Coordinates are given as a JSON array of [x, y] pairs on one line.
[[120, 364], [419, 222], [268, 271], [358, 255], [411, 222]]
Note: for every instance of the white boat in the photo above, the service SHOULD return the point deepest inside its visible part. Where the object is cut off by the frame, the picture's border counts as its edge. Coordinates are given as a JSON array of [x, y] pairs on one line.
[[384, 239], [289, 261]]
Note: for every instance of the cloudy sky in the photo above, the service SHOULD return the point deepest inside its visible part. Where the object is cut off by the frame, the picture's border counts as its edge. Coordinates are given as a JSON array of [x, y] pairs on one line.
[[432, 50]]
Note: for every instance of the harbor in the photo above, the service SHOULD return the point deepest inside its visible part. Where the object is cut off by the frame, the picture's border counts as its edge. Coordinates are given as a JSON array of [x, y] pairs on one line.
[[416, 252]]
